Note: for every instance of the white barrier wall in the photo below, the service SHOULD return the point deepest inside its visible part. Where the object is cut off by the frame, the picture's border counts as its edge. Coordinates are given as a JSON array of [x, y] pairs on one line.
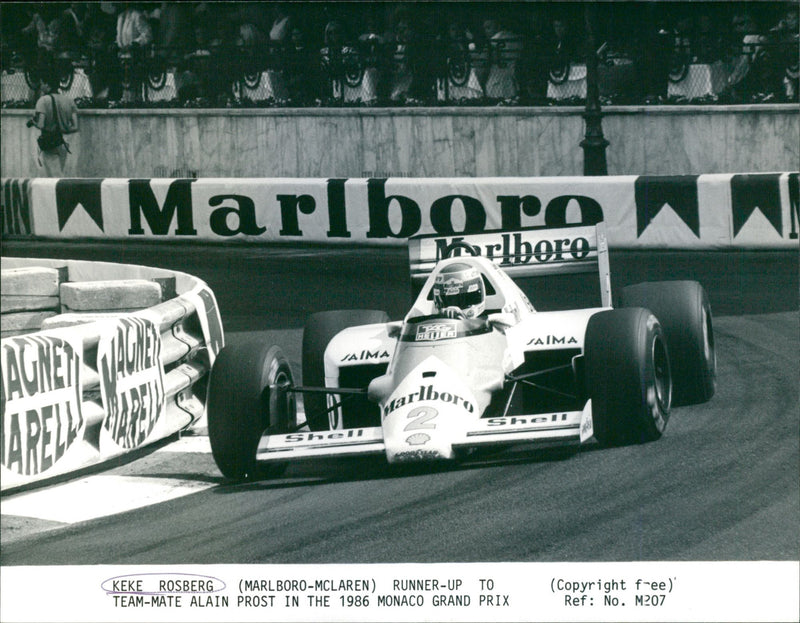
[[757, 210], [81, 393], [458, 141]]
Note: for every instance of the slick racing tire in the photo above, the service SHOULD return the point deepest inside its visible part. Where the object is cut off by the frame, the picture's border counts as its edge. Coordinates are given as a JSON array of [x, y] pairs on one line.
[[319, 330], [628, 376], [243, 403], [683, 310]]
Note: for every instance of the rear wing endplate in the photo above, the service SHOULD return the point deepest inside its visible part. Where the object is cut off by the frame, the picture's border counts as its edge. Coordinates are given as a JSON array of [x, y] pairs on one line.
[[527, 252]]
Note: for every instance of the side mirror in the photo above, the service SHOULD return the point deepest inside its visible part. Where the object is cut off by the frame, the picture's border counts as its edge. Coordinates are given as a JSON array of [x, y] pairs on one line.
[[393, 328]]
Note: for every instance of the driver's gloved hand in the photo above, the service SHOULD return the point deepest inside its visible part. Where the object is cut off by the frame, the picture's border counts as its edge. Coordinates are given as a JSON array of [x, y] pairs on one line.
[[453, 312]]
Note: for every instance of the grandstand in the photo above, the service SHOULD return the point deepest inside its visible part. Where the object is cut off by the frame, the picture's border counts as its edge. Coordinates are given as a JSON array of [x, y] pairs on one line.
[[378, 54]]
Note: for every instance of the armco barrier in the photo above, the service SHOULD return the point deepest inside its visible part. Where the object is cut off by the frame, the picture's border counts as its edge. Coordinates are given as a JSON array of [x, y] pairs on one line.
[[757, 210], [91, 385]]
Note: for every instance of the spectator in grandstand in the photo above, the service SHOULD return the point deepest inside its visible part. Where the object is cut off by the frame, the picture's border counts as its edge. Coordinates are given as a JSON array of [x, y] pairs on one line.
[[30, 35], [40, 48], [559, 52], [263, 54], [38, 26], [133, 34], [133, 28], [652, 46], [531, 70], [55, 116], [331, 59], [195, 78], [371, 33], [373, 60], [173, 34], [562, 44], [401, 39], [65, 45], [560, 49], [748, 61], [281, 24], [103, 70], [505, 47], [301, 73], [249, 36], [457, 65], [707, 43], [784, 38], [76, 12], [71, 30], [251, 44], [412, 79]]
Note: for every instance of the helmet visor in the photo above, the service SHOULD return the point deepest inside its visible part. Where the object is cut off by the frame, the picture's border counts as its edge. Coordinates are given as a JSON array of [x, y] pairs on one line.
[[462, 298]]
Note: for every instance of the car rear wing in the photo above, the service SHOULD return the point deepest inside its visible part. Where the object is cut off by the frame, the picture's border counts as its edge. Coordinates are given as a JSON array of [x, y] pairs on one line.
[[522, 253]]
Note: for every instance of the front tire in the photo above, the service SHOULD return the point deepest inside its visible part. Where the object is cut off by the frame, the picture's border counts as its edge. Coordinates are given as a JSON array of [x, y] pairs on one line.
[[244, 401], [628, 376], [684, 312]]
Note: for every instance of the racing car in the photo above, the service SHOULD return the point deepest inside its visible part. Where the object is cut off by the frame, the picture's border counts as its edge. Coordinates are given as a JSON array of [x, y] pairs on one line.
[[473, 364]]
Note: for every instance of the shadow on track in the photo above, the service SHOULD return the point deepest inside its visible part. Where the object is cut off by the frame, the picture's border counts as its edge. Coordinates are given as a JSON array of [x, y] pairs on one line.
[[362, 469]]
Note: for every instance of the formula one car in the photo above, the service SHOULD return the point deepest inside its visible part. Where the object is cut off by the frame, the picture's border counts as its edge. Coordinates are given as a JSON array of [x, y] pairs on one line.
[[473, 364]]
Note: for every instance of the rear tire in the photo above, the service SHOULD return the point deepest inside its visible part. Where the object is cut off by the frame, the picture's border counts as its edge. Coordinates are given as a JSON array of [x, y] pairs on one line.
[[684, 312], [319, 331], [628, 376], [243, 403]]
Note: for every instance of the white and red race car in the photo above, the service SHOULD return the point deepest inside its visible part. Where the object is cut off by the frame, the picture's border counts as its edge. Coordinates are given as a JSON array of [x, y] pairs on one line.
[[434, 388]]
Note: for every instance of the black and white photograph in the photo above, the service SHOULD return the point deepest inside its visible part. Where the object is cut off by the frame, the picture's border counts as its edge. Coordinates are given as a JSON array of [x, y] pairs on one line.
[[367, 310]]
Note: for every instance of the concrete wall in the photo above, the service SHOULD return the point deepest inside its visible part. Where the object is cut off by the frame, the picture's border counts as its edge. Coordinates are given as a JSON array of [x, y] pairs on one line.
[[429, 142]]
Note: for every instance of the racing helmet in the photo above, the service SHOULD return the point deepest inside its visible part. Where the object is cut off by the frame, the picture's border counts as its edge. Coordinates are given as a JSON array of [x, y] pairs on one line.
[[460, 285]]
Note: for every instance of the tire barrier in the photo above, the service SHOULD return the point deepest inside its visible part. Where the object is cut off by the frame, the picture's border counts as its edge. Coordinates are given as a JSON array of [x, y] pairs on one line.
[[98, 360], [719, 211]]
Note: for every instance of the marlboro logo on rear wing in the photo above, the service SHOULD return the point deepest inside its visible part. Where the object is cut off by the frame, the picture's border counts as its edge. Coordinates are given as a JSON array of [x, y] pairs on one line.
[[530, 252]]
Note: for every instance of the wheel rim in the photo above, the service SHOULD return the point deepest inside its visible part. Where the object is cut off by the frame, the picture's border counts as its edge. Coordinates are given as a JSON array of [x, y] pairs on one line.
[[281, 404], [662, 384], [708, 344]]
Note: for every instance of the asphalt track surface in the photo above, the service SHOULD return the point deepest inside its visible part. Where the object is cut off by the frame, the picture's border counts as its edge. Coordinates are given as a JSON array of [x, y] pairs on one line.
[[722, 484]]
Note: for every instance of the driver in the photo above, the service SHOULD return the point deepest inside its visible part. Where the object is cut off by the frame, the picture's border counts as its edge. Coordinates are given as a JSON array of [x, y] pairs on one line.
[[458, 291]]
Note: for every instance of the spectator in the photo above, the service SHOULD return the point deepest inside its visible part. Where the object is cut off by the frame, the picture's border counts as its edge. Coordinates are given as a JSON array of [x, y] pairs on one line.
[[195, 78], [784, 38], [505, 47], [251, 44], [71, 30], [412, 80], [300, 69], [707, 45], [104, 70], [652, 51], [559, 52], [64, 44], [55, 116], [133, 29], [747, 61], [41, 56], [174, 30], [531, 70], [457, 68], [371, 59], [133, 33], [38, 26], [331, 59], [281, 24]]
